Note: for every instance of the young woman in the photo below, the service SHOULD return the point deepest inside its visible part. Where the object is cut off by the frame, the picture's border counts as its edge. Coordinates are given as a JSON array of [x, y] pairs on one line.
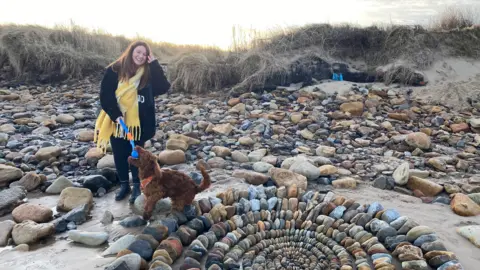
[[127, 92]]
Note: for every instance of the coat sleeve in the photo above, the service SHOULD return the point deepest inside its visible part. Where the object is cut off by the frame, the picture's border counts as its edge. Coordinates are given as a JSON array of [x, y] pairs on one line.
[[160, 84], [108, 100]]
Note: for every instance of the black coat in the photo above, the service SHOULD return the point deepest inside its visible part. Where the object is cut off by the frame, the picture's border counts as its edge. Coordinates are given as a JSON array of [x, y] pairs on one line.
[[157, 85]]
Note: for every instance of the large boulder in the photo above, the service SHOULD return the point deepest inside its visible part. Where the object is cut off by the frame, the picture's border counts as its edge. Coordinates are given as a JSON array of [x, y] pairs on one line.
[[9, 174], [283, 177]]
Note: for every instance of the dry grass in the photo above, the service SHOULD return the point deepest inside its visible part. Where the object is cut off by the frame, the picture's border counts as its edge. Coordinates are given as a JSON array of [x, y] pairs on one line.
[[256, 59], [273, 60], [201, 72], [63, 52], [454, 18]]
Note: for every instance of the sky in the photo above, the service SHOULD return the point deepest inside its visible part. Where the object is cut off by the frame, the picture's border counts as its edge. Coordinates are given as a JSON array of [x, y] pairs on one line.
[[209, 22]]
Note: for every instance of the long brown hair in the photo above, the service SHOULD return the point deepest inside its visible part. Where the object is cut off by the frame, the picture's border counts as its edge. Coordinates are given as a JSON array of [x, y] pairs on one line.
[[126, 68]]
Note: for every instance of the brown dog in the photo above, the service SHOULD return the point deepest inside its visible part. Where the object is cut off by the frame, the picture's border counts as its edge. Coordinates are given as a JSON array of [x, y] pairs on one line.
[[158, 183]]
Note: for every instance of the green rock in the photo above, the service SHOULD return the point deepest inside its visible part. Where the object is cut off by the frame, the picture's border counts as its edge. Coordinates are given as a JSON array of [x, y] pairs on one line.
[[475, 197], [418, 231]]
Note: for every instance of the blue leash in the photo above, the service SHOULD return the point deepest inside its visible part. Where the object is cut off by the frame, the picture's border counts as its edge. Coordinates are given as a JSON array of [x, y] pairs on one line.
[[130, 138]]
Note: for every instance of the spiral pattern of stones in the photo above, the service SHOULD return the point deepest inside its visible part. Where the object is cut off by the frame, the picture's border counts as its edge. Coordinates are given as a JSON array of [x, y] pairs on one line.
[[287, 228]]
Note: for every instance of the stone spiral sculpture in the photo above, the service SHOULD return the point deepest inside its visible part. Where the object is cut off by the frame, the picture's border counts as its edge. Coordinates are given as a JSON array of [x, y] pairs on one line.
[[287, 228]]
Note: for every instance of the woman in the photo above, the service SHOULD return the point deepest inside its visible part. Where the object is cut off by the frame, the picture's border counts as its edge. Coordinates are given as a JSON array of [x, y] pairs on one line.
[[127, 92]]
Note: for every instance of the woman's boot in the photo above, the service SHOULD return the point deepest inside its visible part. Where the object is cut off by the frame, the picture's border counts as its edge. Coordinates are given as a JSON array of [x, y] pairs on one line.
[[124, 190]]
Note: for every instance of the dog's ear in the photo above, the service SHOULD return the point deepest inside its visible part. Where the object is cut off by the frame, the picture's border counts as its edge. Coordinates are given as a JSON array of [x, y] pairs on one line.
[[153, 158]]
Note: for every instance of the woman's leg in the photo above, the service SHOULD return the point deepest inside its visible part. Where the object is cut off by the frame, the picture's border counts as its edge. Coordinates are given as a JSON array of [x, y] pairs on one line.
[[135, 179], [121, 150]]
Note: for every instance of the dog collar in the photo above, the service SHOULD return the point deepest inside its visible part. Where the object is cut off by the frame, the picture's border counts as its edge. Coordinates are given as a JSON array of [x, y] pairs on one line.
[[145, 182]]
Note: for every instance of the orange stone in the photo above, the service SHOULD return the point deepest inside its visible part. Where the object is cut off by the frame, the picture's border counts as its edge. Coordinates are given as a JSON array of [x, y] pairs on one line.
[[462, 205], [261, 225], [399, 116], [459, 127], [123, 252], [233, 101], [354, 108], [303, 99]]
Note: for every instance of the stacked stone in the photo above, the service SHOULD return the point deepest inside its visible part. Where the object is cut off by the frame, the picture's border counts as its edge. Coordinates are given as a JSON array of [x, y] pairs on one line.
[[361, 231], [286, 228]]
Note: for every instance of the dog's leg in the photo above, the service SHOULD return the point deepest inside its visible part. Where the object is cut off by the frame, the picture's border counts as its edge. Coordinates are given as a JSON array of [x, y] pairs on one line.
[[148, 209], [150, 204], [178, 204]]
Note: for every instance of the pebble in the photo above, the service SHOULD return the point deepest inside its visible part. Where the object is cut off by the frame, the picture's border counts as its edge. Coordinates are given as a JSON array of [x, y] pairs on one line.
[[133, 221], [472, 233], [120, 244], [129, 261], [88, 238], [142, 248]]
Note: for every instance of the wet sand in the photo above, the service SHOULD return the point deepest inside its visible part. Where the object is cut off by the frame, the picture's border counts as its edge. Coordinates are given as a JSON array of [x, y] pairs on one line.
[[59, 253]]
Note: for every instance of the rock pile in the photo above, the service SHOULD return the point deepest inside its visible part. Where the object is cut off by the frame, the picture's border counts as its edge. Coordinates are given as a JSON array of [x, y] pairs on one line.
[[270, 227]]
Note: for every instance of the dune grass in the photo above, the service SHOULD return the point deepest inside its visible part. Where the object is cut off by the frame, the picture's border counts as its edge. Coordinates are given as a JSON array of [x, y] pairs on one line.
[[255, 59], [68, 51]]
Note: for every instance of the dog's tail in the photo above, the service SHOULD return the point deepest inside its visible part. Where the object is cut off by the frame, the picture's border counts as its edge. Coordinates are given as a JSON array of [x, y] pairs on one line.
[[205, 181]]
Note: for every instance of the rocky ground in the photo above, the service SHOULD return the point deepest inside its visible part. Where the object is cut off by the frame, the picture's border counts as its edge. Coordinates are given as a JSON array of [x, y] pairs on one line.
[[366, 141]]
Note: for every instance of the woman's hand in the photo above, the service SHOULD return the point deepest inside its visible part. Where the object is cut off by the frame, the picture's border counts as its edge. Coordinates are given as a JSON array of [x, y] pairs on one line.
[[151, 58]]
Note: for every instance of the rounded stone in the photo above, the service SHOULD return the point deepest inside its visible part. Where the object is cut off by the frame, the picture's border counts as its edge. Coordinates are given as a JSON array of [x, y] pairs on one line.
[[390, 215], [418, 231], [386, 232]]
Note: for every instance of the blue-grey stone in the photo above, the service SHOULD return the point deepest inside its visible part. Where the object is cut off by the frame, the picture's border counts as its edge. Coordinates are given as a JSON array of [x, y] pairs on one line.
[[377, 225], [263, 204], [214, 201], [381, 255], [386, 232], [171, 224], [449, 264], [271, 203], [77, 215], [442, 200], [392, 242], [233, 237], [276, 224], [337, 213], [190, 212], [247, 205], [307, 196], [135, 221], [271, 192], [239, 208], [206, 223], [142, 248], [324, 181], [261, 192], [255, 204], [60, 225], [398, 223], [374, 208], [431, 246], [426, 238], [252, 192], [179, 217], [197, 177], [390, 215]]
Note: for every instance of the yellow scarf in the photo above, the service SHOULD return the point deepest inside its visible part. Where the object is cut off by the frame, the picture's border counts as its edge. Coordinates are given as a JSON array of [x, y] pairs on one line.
[[127, 99]]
